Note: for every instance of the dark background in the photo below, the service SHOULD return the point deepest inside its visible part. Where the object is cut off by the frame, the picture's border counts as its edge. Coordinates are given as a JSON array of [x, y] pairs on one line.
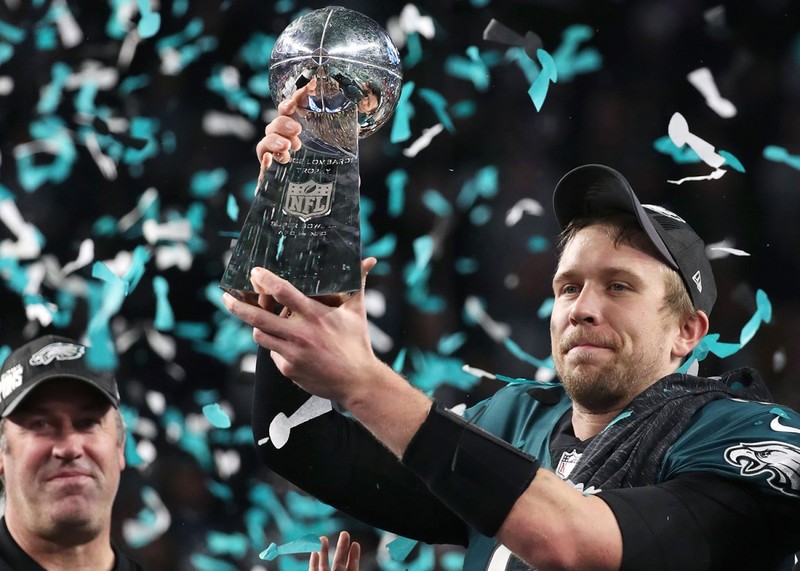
[[611, 115]]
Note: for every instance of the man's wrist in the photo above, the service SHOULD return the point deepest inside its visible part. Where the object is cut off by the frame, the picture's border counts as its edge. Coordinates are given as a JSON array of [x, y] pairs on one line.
[[474, 473]]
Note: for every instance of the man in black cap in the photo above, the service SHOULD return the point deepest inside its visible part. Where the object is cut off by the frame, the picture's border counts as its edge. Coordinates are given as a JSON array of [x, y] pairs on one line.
[[61, 454], [624, 463]]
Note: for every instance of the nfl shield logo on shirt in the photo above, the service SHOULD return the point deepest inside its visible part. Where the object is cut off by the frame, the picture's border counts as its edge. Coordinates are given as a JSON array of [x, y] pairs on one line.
[[567, 463]]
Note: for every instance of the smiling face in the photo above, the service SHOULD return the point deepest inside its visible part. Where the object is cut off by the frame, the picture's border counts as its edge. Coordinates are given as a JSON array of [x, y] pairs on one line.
[[611, 333], [61, 462]]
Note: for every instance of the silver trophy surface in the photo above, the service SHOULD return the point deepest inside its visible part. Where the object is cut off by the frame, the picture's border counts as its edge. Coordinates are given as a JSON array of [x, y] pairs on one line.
[[304, 222]]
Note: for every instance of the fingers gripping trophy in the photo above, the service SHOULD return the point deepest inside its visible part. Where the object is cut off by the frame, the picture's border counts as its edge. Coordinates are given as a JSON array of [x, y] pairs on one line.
[[304, 222]]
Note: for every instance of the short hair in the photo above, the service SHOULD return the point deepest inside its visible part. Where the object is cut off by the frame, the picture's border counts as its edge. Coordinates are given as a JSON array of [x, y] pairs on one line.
[[624, 229]]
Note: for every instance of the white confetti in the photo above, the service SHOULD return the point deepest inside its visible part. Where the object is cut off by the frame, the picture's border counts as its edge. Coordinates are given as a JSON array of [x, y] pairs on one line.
[[6, 85], [216, 123], [476, 372], [496, 331], [381, 342], [26, 246], [85, 257], [704, 82], [522, 207], [137, 532], [173, 255], [163, 345], [228, 463], [156, 402], [678, 131], [68, 28], [423, 141], [174, 231], [711, 176]]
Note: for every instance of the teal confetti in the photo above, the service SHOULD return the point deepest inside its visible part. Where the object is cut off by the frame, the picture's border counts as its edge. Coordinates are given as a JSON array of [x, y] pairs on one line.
[[432, 370], [130, 417], [382, 248], [763, 314], [621, 416], [257, 49], [307, 507], [484, 184], [780, 412], [232, 208], [731, 160], [439, 104], [480, 215], [139, 259], [452, 561], [569, 61], [681, 155], [11, 33], [165, 319], [466, 266], [711, 344], [149, 21], [403, 113], [538, 244], [34, 173], [220, 490], [781, 155], [396, 183], [205, 184], [436, 203], [401, 547], [5, 351], [449, 344], [413, 50], [306, 544], [104, 303], [517, 351], [50, 96], [399, 360], [203, 562], [192, 330], [549, 73], [233, 544], [192, 442], [463, 109], [546, 309], [216, 416]]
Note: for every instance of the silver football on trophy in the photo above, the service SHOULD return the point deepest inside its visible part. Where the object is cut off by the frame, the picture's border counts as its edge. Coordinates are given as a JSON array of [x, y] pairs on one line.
[[352, 57]]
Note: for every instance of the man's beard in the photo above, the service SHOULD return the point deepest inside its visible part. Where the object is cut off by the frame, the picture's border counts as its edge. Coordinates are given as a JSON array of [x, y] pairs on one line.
[[606, 387]]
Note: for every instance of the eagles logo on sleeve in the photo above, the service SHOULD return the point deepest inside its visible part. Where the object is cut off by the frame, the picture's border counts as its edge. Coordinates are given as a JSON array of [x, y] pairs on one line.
[[779, 460]]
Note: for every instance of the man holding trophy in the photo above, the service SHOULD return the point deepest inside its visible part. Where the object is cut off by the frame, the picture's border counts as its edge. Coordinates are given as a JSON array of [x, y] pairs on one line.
[[624, 464]]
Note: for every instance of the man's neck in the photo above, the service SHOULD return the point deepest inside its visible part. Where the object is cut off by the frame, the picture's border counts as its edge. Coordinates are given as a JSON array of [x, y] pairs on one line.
[[586, 424], [64, 555]]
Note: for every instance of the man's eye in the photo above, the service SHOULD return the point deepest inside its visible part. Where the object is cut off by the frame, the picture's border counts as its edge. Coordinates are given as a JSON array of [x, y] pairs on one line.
[[87, 423], [618, 287]]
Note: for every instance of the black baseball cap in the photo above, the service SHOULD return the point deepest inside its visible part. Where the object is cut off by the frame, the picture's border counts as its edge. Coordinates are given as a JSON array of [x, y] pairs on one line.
[[593, 189], [48, 358]]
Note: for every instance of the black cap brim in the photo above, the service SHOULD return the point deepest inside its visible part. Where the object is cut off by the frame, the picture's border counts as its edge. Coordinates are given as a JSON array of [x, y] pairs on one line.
[[23, 394], [592, 189]]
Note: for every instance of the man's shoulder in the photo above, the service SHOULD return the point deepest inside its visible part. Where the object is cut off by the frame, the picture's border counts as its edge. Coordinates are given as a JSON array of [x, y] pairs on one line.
[[757, 442]]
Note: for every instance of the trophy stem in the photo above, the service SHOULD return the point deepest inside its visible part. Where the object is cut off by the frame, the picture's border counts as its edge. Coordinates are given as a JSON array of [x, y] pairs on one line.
[[304, 222]]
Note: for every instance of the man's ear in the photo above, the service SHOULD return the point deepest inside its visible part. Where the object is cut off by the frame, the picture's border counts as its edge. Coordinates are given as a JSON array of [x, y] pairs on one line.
[[690, 333], [121, 451]]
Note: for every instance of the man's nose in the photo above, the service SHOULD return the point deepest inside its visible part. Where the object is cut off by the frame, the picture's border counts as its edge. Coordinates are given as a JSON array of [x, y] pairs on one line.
[[69, 445], [586, 308]]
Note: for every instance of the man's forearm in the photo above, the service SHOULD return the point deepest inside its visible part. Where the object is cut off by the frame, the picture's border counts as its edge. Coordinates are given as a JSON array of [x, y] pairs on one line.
[[389, 407]]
